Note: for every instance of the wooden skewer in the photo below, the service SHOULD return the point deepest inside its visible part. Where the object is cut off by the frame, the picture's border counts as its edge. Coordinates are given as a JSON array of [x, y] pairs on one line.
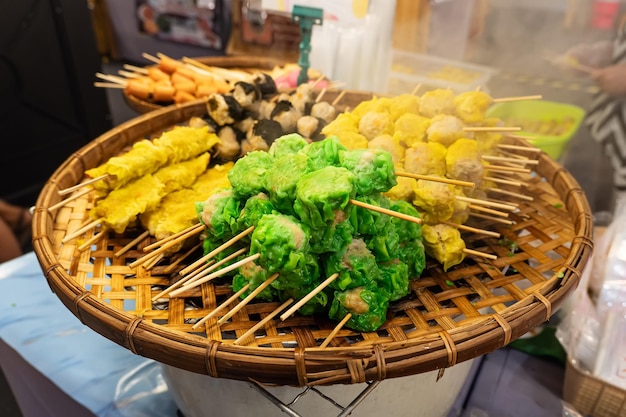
[[151, 58], [157, 252], [82, 230], [197, 273], [309, 296], [128, 74], [196, 276], [221, 72], [514, 160], [416, 89], [387, 211], [495, 219], [523, 137], [486, 203], [222, 306], [168, 244], [338, 98], [478, 253], [519, 98], [70, 198], [262, 323], [217, 274], [511, 193], [506, 182], [161, 55], [95, 238], [515, 155], [318, 80], [135, 68], [472, 229], [249, 298], [190, 231], [155, 260], [204, 73], [168, 269], [501, 168], [338, 327], [132, 244], [336, 84], [491, 128], [175, 285], [217, 250], [112, 78], [488, 210], [73, 188], [435, 179], [512, 203], [194, 63], [109, 85], [320, 95]]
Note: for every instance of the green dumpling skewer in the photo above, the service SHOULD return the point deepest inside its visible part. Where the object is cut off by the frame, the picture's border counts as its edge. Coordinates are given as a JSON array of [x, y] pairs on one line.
[[412, 253], [247, 176], [355, 264], [367, 306], [282, 242], [385, 246], [394, 278], [370, 222], [324, 153], [373, 169], [306, 275], [219, 213], [287, 145], [253, 274], [317, 304], [321, 194], [406, 230], [254, 208], [281, 180], [332, 238]]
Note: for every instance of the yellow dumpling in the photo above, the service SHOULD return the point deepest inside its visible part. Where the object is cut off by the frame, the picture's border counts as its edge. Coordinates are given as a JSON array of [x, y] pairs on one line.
[[426, 158], [410, 129], [471, 106], [444, 243]]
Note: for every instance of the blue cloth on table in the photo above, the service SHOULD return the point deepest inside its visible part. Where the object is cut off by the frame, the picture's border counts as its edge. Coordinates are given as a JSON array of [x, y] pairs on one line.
[[106, 378]]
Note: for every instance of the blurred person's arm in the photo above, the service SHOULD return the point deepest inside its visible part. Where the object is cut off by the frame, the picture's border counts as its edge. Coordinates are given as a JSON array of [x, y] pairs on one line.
[[595, 55], [583, 58], [611, 79]]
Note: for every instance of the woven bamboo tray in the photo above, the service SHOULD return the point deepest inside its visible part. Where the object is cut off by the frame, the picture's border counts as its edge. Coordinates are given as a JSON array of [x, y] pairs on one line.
[[473, 309], [244, 63]]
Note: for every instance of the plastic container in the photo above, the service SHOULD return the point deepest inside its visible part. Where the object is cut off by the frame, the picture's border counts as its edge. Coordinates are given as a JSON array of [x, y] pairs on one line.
[[408, 70], [590, 395], [552, 124]]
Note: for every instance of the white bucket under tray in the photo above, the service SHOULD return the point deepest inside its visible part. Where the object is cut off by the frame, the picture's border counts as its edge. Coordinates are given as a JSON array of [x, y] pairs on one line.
[[418, 395]]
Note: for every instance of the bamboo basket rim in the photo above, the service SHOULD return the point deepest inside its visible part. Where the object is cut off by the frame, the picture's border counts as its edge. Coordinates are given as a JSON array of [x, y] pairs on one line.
[[434, 329]]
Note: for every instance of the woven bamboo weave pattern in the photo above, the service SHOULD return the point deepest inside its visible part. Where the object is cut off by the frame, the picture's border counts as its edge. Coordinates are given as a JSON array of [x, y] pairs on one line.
[[448, 317]]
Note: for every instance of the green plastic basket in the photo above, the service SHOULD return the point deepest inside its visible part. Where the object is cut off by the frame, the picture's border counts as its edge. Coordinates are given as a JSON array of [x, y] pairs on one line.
[[552, 124]]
